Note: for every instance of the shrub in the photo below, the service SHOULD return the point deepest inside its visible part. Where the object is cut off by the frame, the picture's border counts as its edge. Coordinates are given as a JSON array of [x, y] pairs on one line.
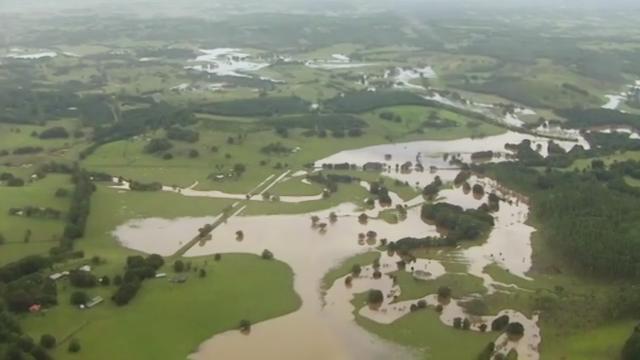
[[74, 346], [178, 266], [62, 193], [245, 325], [356, 269], [48, 341], [79, 298], [267, 255]]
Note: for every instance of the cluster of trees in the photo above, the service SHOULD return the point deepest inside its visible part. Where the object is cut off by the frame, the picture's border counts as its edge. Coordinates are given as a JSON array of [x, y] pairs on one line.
[[482, 155], [155, 146], [435, 121], [432, 189], [137, 269], [78, 211], [82, 279], [15, 344], [275, 148], [262, 106], [590, 217], [182, 134], [23, 284], [36, 212], [587, 118], [363, 101], [390, 116], [331, 181], [139, 186], [57, 132], [27, 150], [11, 180], [320, 125], [136, 122], [408, 244], [25, 105], [460, 224], [378, 189]]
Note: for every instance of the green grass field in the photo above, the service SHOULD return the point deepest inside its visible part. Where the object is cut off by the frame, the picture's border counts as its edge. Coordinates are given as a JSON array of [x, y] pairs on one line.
[[424, 331], [44, 232], [167, 320]]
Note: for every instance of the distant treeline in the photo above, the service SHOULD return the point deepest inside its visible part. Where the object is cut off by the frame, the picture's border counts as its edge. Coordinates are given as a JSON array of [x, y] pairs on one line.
[[590, 217], [263, 106], [317, 123], [586, 118], [363, 101]]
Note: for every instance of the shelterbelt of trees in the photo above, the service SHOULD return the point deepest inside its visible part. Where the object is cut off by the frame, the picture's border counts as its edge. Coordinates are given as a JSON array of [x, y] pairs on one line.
[[590, 216], [23, 283]]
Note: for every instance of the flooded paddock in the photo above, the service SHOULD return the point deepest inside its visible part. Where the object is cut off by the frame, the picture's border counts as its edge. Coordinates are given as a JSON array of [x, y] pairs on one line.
[[326, 317]]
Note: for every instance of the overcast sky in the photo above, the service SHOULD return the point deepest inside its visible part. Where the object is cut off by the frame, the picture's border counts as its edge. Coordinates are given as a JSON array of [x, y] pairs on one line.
[[271, 5]]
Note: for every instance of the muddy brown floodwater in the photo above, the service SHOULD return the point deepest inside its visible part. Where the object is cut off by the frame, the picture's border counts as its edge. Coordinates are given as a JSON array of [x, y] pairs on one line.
[[324, 326]]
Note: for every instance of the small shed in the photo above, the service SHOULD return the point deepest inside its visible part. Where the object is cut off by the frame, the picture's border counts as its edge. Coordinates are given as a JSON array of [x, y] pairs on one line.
[[95, 301]]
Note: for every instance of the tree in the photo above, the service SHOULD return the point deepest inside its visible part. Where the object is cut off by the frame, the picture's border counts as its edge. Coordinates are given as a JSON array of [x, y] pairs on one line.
[[466, 324], [487, 352], [500, 323], [178, 266], [3, 240], [82, 279], [478, 190], [245, 325], [155, 261], [203, 273], [631, 349], [117, 280], [48, 341], [105, 281], [79, 298], [356, 269], [515, 330], [363, 218], [444, 292], [375, 297], [239, 169], [457, 323], [267, 255], [74, 346]]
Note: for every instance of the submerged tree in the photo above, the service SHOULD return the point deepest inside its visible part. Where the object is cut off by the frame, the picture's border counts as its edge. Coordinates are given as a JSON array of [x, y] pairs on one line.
[[375, 297]]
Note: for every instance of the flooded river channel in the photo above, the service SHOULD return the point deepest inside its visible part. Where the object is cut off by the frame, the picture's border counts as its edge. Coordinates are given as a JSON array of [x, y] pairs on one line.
[[324, 326]]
